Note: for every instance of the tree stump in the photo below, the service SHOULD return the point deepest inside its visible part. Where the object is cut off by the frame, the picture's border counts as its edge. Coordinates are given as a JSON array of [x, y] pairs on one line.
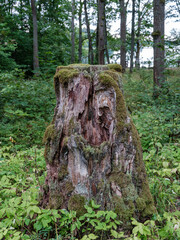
[[92, 148]]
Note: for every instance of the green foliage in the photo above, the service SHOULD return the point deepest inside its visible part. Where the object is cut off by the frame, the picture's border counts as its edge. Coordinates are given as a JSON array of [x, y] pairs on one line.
[[7, 46], [27, 107]]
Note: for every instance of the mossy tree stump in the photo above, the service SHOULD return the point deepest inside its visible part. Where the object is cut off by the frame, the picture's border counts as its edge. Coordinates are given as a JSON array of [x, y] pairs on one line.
[[92, 148]]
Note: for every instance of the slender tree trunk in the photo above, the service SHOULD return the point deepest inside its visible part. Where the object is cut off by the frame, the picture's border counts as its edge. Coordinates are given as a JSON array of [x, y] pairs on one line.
[[101, 31], [73, 33], [158, 36], [21, 13], [106, 43], [123, 7], [80, 32], [137, 62], [35, 37], [132, 36], [90, 54], [97, 35]]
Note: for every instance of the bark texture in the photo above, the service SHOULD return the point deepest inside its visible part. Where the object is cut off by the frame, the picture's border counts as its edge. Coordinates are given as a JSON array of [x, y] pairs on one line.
[[137, 63], [90, 54], [80, 33], [132, 36], [158, 36], [123, 12], [73, 32], [101, 31], [92, 148], [35, 37]]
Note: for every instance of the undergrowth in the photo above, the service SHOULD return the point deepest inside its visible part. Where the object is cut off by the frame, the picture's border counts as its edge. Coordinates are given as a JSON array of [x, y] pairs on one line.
[[27, 107]]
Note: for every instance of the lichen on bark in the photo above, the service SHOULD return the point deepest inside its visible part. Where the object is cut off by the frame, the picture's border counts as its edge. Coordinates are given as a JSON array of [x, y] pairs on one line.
[[92, 148]]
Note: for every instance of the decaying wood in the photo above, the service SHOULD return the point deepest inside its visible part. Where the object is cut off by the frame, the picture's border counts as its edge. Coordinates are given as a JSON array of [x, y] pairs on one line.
[[92, 148]]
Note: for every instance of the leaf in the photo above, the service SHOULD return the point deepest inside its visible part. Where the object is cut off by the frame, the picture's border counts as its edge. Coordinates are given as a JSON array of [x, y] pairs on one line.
[[94, 205], [135, 230], [38, 226], [165, 164], [100, 213], [134, 221], [27, 221], [85, 237], [92, 236], [36, 209], [116, 234], [2, 211]]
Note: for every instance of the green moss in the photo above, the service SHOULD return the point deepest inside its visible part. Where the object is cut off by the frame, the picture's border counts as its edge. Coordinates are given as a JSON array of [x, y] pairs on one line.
[[121, 112], [140, 203], [71, 126], [69, 187], [120, 178], [88, 151], [55, 200], [116, 67], [63, 67], [149, 210], [63, 172], [119, 206], [50, 133], [145, 193], [147, 197], [76, 203], [66, 74], [65, 141], [124, 211], [80, 65], [46, 152], [129, 192], [101, 184]]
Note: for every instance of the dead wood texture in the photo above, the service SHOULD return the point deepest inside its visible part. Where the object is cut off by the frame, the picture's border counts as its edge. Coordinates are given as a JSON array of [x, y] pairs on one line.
[[92, 148]]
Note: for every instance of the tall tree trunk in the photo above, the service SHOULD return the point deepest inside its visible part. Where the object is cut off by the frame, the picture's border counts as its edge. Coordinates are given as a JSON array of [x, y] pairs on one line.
[[35, 37], [97, 35], [158, 36], [73, 33], [132, 36], [80, 32], [137, 62], [123, 8], [101, 30], [90, 54], [106, 43]]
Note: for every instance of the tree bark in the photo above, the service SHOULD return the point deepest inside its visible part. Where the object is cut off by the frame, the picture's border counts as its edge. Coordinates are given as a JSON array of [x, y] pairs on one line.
[[132, 36], [97, 35], [137, 62], [35, 37], [123, 9], [106, 42], [92, 148], [90, 54], [80, 32], [73, 33], [158, 36], [101, 31]]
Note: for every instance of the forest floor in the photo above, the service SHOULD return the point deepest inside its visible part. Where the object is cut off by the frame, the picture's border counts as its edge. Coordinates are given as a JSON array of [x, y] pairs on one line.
[[27, 107]]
